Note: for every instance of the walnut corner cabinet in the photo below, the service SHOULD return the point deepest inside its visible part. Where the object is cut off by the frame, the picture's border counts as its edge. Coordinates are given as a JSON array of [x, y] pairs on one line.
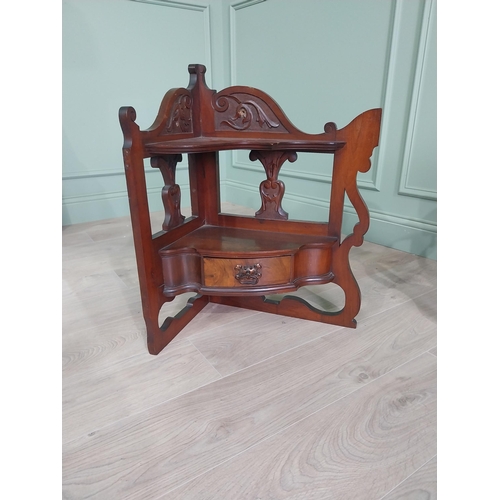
[[232, 259]]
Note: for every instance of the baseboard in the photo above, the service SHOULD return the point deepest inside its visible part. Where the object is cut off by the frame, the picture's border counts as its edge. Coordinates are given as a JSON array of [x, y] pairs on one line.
[[409, 235], [78, 209]]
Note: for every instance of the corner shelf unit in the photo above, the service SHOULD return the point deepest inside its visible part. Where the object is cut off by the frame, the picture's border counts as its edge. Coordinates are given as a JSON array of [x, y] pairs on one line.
[[231, 259]]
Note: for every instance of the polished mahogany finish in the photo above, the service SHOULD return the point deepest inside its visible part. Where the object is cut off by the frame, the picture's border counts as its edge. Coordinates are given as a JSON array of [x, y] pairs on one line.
[[219, 261], [230, 259]]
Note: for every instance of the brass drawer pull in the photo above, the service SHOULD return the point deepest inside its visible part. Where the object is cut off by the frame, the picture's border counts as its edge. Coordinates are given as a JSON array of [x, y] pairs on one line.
[[248, 275]]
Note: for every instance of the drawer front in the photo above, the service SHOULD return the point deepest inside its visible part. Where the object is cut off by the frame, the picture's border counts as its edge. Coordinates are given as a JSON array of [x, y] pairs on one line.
[[246, 272]]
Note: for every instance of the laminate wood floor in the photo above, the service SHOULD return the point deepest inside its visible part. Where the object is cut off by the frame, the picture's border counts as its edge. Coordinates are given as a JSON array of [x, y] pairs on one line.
[[242, 404]]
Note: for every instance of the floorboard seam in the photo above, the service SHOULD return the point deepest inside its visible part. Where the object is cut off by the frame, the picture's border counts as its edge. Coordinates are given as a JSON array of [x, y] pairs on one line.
[[203, 356], [406, 478], [412, 299], [277, 354], [295, 423], [138, 412], [337, 329]]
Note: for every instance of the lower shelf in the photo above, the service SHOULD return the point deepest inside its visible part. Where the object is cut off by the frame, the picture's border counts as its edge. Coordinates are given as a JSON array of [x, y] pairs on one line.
[[228, 261]]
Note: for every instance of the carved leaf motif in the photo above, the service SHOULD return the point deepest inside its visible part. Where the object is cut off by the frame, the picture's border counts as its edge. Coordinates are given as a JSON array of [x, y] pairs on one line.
[[243, 115], [272, 190], [271, 194], [246, 113], [262, 118], [180, 117]]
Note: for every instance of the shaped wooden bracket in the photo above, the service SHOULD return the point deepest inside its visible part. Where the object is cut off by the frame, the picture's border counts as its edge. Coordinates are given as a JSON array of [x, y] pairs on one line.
[[171, 192], [272, 190]]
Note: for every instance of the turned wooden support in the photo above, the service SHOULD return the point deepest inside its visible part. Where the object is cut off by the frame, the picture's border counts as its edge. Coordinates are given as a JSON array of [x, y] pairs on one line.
[[272, 190], [171, 192]]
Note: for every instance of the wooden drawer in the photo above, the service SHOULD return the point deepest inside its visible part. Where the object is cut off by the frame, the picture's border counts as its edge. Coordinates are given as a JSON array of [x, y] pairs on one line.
[[218, 272]]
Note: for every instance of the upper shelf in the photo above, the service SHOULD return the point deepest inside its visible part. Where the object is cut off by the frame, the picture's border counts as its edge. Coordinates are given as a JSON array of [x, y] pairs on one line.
[[208, 144], [197, 119]]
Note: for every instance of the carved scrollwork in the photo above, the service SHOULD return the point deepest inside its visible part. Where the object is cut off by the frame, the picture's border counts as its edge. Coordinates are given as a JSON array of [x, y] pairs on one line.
[[245, 113], [181, 119], [248, 275]]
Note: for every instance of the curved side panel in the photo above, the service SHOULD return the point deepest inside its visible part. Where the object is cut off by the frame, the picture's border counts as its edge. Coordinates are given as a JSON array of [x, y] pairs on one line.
[[181, 271], [312, 261], [361, 136]]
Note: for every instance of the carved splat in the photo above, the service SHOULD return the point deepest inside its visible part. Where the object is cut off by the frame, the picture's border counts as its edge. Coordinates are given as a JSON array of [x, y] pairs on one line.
[[171, 192], [272, 190]]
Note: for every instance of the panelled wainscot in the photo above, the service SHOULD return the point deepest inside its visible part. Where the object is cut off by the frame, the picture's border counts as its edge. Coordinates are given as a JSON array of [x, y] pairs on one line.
[[231, 259]]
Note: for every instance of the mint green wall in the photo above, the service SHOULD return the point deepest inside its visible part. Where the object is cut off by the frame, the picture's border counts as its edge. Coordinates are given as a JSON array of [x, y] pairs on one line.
[[329, 60], [119, 53], [322, 60]]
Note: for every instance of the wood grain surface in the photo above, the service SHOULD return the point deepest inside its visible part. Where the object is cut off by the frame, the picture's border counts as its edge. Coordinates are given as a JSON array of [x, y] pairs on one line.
[[360, 447], [245, 404], [421, 485], [222, 272], [202, 122]]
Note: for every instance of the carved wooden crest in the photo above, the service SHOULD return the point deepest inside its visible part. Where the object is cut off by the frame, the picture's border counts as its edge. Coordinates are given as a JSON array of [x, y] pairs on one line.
[[241, 111]]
